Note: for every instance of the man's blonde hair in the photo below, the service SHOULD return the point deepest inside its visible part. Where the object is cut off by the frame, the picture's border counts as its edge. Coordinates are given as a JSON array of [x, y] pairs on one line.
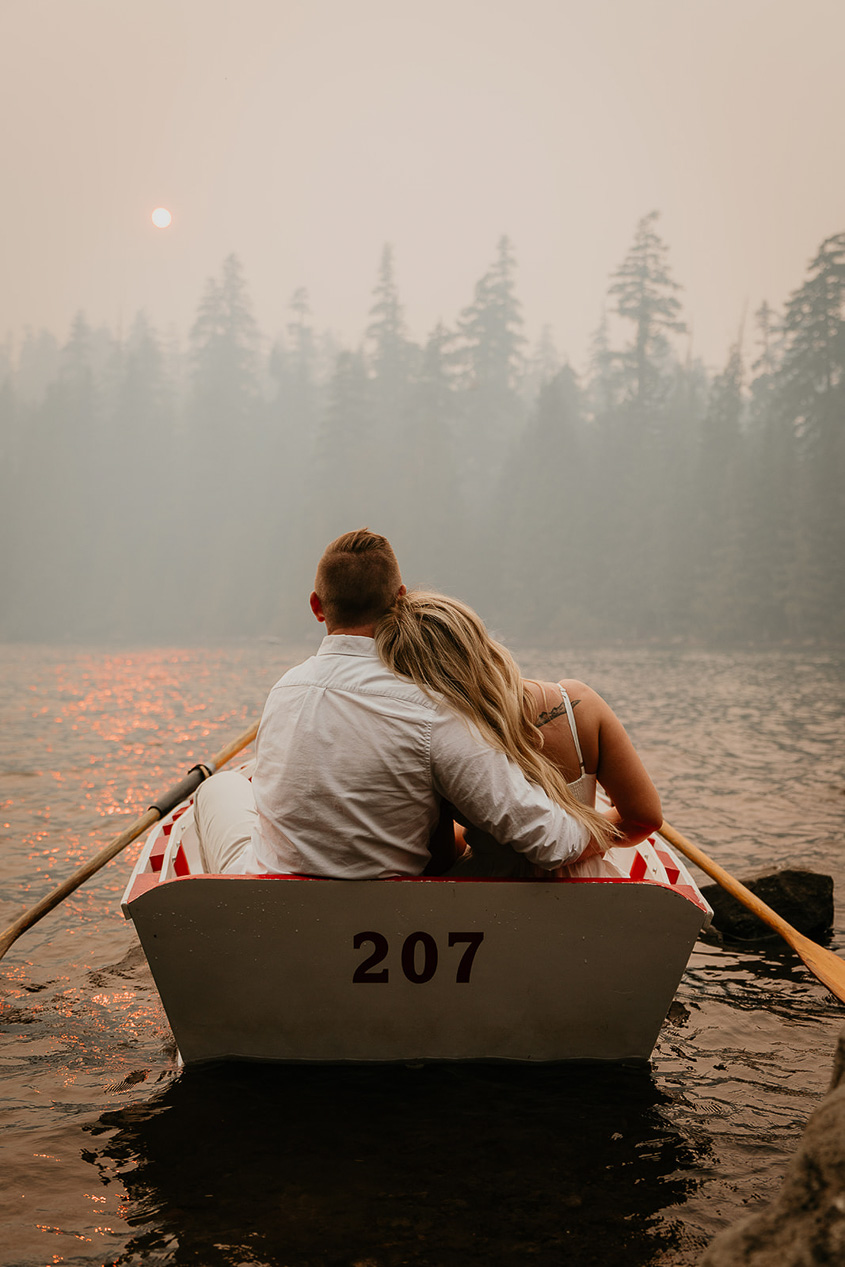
[[443, 646], [358, 578]]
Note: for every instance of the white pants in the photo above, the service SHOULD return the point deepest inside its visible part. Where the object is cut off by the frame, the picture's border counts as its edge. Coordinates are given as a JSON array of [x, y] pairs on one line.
[[224, 814]]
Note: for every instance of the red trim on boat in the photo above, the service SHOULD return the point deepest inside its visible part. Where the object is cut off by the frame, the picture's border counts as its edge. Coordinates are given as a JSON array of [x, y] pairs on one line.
[[691, 895], [673, 874], [639, 867], [143, 883], [157, 853], [425, 879]]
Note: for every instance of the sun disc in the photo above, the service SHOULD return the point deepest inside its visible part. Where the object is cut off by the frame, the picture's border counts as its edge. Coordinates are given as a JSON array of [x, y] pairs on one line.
[[161, 217]]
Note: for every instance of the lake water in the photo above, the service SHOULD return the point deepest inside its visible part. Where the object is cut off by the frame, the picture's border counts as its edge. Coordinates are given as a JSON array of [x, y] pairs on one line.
[[113, 1156]]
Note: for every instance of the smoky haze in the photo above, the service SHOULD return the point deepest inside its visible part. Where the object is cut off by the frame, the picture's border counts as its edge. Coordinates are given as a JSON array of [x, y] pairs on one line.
[[416, 278]]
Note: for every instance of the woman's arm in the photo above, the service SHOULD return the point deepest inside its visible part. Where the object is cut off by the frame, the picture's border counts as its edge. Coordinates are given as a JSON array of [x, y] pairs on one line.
[[636, 805]]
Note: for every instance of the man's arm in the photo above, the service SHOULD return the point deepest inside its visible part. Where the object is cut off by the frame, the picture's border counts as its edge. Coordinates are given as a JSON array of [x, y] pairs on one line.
[[494, 795]]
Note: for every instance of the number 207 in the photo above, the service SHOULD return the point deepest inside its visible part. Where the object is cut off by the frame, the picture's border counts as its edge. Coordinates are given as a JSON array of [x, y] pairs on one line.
[[418, 958]]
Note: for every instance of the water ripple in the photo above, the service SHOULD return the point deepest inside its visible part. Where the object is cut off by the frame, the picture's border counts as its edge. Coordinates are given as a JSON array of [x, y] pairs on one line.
[[111, 1155]]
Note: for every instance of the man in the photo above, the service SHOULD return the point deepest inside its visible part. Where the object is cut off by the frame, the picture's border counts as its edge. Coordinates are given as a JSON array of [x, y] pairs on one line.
[[353, 762]]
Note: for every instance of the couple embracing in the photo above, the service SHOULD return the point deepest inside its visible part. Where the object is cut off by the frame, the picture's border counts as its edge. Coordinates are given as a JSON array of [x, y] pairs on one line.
[[410, 744]]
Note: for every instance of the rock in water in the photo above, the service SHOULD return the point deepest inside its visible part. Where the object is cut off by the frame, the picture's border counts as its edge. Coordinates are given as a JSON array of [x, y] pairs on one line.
[[803, 898], [805, 1225]]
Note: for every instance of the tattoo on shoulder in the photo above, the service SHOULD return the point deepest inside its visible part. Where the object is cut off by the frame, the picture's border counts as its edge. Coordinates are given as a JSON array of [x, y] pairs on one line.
[[545, 718]]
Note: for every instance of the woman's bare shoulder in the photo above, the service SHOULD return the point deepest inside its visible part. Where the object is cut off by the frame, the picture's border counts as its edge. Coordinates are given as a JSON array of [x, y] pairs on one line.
[[574, 686], [580, 693], [547, 694], [591, 708], [588, 705]]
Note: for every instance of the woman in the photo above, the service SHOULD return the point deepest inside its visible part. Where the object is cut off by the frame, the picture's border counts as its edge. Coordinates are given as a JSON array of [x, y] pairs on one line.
[[443, 646]]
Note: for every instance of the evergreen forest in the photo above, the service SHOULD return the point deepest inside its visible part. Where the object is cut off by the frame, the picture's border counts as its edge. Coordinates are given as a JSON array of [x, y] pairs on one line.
[[170, 490]]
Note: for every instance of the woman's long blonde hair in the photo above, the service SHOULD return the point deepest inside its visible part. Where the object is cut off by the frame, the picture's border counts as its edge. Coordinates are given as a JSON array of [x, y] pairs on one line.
[[443, 646]]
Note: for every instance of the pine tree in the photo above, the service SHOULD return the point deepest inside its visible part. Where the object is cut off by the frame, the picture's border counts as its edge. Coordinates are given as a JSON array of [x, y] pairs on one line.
[[489, 364], [603, 383], [137, 555], [429, 505], [814, 357], [8, 407], [68, 508], [351, 475], [224, 453], [637, 395], [491, 352], [37, 367], [541, 366], [546, 510], [722, 497], [771, 442], [303, 350], [390, 351], [646, 295], [291, 481], [295, 406], [391, 359], [12, 499], [224, 349], [769, 341], [812, 394]]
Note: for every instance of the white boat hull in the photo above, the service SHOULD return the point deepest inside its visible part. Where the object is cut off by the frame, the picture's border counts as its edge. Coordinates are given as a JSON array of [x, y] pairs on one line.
[[295, 969]]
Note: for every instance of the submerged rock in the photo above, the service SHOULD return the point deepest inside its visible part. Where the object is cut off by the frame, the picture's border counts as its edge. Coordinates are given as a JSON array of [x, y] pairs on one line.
[[803, 898], [805, 1225]]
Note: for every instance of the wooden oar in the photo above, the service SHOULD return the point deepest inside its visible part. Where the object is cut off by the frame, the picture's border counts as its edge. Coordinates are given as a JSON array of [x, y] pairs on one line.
[[824, 964], [162, 806]]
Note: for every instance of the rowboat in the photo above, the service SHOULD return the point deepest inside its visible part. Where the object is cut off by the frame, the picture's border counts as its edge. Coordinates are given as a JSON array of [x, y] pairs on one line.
[[283, 968]]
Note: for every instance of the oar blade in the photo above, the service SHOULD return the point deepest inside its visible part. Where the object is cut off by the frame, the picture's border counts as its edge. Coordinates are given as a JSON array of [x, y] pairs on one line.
[[824, 964]]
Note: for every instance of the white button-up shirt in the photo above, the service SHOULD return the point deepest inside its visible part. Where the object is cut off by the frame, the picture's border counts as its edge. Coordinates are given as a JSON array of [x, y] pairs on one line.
[[352, 762]]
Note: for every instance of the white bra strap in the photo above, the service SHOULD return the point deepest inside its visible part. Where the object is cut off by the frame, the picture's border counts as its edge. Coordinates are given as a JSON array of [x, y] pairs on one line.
[[571, 717]]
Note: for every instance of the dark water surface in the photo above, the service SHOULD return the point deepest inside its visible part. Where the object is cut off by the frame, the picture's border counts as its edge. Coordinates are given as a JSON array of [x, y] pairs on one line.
[[110, 1155]]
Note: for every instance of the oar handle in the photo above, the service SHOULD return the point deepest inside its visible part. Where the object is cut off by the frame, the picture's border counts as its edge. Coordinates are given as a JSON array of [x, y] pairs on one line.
[[727, 882], [825, 965], [162, 806]]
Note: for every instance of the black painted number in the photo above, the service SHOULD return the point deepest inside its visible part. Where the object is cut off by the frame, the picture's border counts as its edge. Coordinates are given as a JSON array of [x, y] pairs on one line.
[[429, 957], [473, 941], [418, 958], [365, 972]]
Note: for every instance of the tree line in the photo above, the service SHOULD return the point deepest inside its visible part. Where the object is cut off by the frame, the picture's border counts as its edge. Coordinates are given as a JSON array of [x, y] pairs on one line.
[[155, 490]]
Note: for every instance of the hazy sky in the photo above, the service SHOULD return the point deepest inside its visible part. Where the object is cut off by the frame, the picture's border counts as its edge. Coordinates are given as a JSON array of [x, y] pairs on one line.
[[304, 134]]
